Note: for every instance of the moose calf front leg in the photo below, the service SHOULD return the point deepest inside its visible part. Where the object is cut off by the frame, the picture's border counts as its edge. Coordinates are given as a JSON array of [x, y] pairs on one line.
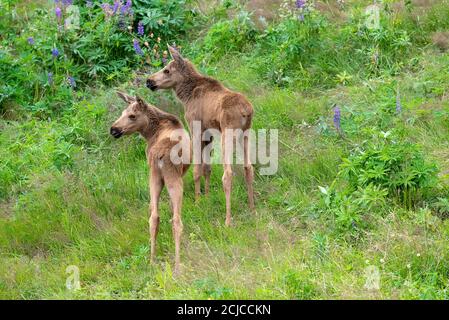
[[226, 146], [197, 180], [156, 185]]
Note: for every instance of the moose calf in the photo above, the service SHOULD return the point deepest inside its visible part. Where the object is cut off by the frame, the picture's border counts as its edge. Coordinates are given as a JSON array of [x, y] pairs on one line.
[[164, 134], [207, 102]]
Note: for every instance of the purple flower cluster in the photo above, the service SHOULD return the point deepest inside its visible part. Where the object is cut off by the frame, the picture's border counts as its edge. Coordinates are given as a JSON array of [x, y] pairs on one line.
[[116, 6], [137, 47], [31, 41], [71, 81], [140, 29], [55, 52], [89, 4], [50, 78], [67, 2], [337, 118], [300, 4], [58, 12], [126, 9]]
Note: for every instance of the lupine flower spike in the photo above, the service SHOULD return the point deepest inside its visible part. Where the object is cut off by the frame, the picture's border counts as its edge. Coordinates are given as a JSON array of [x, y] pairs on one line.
[[398, 101], [300, 4], [55, 52], [71, 81], [137, 47], [337, 118], [140, 29], [31, 40], [50, 78], [58, 13]]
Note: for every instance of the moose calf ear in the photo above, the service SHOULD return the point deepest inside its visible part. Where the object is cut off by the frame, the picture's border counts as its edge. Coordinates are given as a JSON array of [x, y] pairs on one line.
[[128, 99], [176, 55], [140, 103]]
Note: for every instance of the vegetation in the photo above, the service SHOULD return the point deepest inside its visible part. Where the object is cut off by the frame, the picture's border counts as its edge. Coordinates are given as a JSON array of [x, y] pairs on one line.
[[362, 183]]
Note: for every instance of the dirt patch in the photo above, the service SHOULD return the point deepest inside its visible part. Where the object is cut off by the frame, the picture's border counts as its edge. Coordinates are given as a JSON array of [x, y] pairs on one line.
[[441, 40]]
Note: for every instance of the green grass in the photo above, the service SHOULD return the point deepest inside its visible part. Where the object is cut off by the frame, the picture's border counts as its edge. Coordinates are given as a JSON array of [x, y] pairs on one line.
[[71, 195]]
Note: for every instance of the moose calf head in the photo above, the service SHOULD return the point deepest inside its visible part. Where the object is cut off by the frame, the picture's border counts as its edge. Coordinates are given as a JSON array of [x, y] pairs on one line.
[[133, 118]]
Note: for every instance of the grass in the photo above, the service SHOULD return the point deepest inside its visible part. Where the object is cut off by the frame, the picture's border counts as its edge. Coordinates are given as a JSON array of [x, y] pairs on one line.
[[71, 195]]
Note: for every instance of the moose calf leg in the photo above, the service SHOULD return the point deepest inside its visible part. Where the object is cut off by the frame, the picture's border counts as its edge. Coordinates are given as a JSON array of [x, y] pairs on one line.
[[156, 185], [249, 173], [175, 190]]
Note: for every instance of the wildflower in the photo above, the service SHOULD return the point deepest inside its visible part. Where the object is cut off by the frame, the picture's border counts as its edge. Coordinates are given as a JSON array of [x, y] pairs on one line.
[[50, 78], [31, 40], [89, 4], [140, 29], [300, 4], [67, 2], [146, 44], [301, 17], [337, 118], [55, 52], [71, 81], [137, 47], [58, 12], [126, 9], [116, 6], [398, 102], [382, 261], [418, 255], [106, 8]]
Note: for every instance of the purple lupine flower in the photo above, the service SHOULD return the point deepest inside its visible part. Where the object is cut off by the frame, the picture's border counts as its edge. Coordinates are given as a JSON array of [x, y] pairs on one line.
[[164, 60], [301, 17], [31, 41], [337, 118], [71, 81], [67, 2], [50, 78], [137, 47], [398, 102], [54, 52], [126, 9], [116, 6], [89, 4], [58, 13], [300, 4], [140, 29], [57, 1], [105, 7]]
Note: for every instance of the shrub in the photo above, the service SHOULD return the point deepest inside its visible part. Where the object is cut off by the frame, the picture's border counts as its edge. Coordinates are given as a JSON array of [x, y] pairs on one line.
[[388, 163], [66, 47], [230, 36]]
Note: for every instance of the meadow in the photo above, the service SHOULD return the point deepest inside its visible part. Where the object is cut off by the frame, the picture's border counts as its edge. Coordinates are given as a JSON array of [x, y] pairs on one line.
[[358, 208]]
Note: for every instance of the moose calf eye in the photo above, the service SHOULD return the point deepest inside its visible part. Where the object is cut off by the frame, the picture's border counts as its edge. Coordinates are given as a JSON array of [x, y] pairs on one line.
[[166, 71], [132, 117]]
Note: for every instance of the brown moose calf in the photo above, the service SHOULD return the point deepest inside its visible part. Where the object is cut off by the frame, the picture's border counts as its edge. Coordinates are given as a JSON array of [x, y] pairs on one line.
[[168, 155]]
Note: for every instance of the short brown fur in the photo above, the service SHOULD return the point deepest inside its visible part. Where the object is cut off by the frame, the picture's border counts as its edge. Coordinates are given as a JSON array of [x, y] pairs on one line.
[[207, 100], [157, 128]]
